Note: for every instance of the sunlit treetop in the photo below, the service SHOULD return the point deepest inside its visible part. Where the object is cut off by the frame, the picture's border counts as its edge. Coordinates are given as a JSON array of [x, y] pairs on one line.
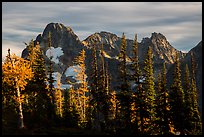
[[16, 69]]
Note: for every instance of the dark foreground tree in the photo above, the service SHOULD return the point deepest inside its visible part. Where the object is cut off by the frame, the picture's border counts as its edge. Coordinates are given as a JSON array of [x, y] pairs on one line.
[[124, 95], [177, 99], [163, 106], [150, 93], [196, 119]]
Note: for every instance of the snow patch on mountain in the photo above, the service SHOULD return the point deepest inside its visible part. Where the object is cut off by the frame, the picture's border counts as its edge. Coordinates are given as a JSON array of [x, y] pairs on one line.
[[66, 86], [72, 71], [54, 53]]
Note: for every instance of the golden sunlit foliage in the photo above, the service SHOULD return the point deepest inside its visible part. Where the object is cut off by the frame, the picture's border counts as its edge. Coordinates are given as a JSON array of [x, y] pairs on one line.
[[82, 90], [20, 70], [16, 72], [58, 97]]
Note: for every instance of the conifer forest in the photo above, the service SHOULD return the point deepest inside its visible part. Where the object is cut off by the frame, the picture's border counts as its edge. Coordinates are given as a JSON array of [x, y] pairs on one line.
[[31, 104]]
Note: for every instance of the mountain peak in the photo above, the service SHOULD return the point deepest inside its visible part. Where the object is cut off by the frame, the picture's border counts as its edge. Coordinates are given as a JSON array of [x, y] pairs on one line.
[[105, 33], [159, 39], [54, 25], [157, 36], [107, 38], [162, 48], [57, 27]]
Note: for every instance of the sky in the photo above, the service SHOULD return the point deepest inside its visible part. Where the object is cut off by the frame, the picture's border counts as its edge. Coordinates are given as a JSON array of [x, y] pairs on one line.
[[179, 22]]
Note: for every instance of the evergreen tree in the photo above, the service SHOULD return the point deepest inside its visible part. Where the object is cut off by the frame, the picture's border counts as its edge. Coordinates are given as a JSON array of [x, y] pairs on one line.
[[100, 87], [163, 106], [135, 62], [82, 91], [136, 77], [107, 103], [50, 80], [94, 89], [112, 111], [104, 88], [196, 120], [193, 66], [50, 70], [122, 67], [15, 72], [125, 94], [102, 83], [158, 101], [38, 95], [177, 99], [107, 92], [71, 114], [139, 97], [118, 117], [102, 71], [94, 76], [188, 100], [150, 92], [58, 97]]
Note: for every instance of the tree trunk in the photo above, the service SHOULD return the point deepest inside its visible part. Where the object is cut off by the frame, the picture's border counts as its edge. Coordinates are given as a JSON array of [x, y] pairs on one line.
[[84, 115], [60, 105], [80, 106], [20, 113]]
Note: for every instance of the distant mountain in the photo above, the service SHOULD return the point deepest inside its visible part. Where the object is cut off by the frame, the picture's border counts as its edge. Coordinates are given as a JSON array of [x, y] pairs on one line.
[[161, 47], [66, 46], [163, 51], [63, 37]]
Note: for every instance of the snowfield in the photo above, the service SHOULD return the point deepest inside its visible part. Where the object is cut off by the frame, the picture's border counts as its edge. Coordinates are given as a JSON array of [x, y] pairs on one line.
[[55, 53], [72, 71]]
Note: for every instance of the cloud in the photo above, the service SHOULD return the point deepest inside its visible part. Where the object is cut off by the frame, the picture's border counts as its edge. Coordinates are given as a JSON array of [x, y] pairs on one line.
[[180, 22]]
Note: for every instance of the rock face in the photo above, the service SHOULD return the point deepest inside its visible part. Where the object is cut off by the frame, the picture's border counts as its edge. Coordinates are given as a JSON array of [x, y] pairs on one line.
[[109, 40], [62, 37], [162, 50], [66, 46], [161, 47]]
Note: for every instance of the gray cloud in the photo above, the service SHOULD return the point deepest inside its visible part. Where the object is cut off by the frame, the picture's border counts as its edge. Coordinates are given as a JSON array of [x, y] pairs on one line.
[[180, 22]]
